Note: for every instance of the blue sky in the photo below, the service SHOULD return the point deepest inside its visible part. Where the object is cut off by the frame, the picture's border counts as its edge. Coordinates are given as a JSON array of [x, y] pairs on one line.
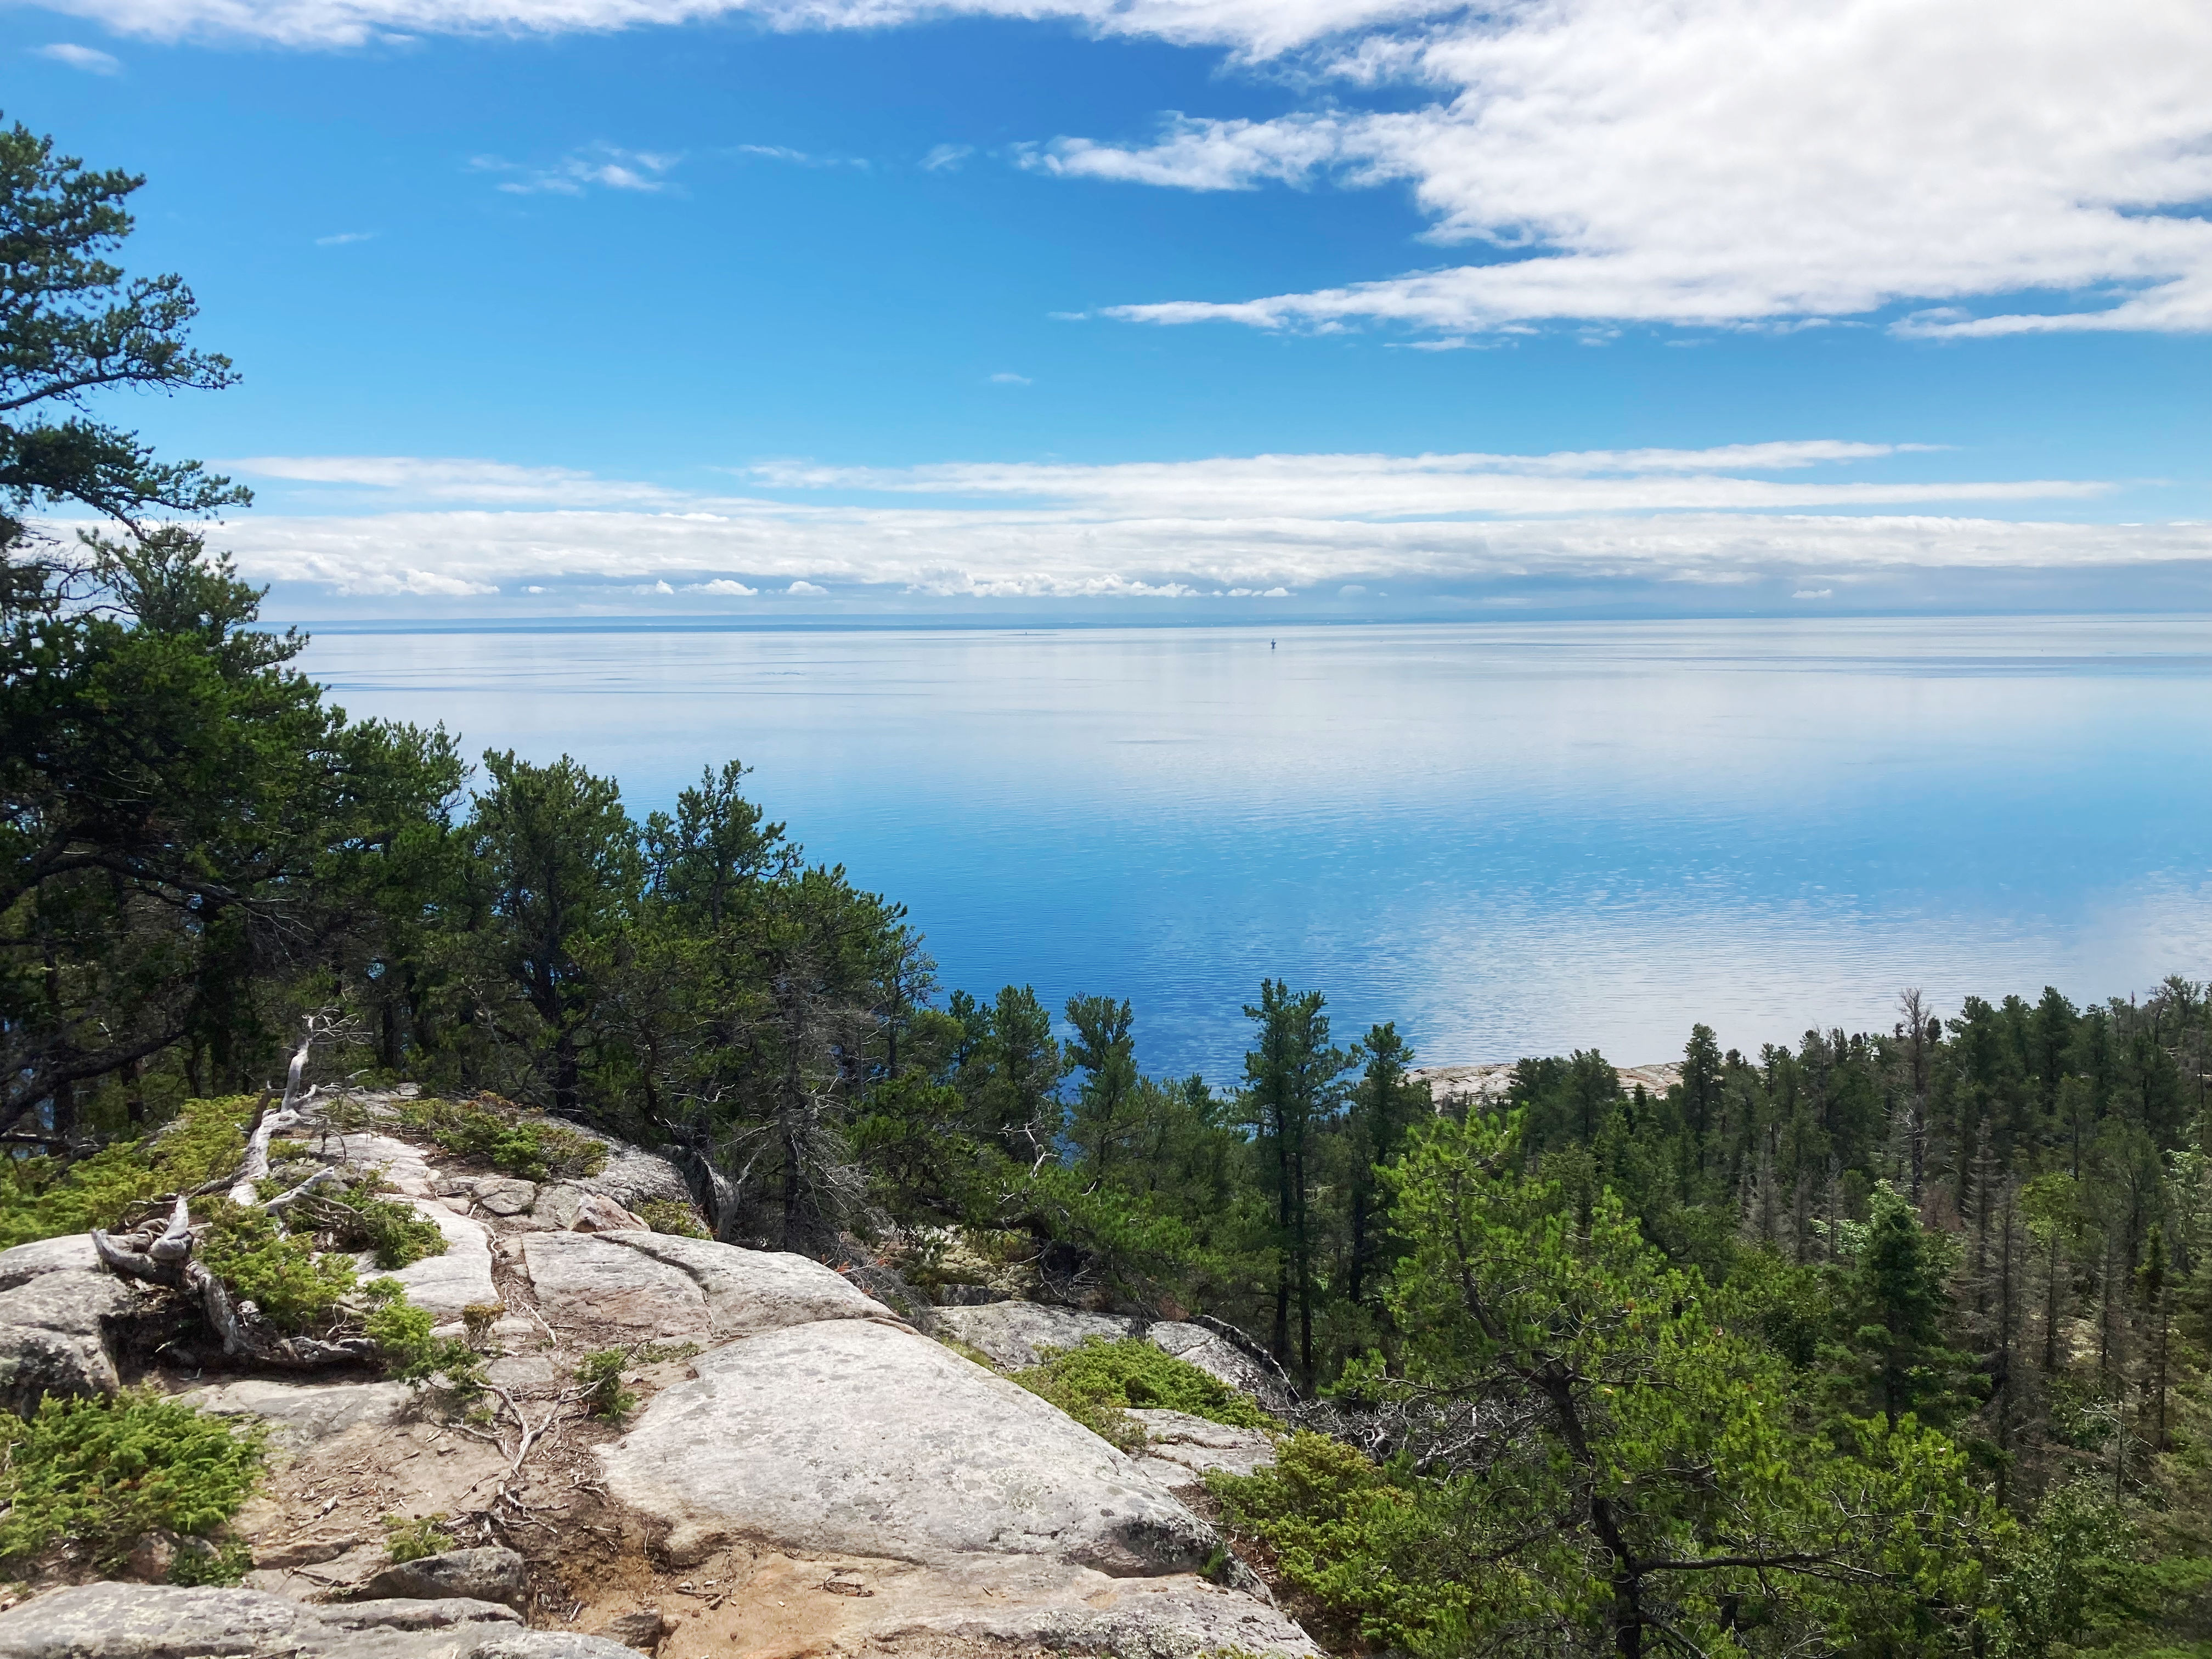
[[550, 308]]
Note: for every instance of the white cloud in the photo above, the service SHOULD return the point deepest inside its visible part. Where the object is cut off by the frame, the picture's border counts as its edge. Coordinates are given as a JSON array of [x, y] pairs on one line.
[[1251, 28], [608, 165], [90, 59], [1732, 162], [946, 158], [1390, 486], [1008, 378], [429, 479], [341, 238], [1201, 154], [1997, 165], [1244, 526]]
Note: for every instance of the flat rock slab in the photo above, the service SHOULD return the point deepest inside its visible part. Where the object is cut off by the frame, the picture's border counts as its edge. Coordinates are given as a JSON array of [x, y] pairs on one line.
[[406, 1167], [488, 1573], [594, 1279], [849, 1435], [58, 1317], [1222, 1359], [1180, 1449], [648, 1285], [159, 1622], [307, 1413], [632, 1175], [459, 1278], [1015, 1334]]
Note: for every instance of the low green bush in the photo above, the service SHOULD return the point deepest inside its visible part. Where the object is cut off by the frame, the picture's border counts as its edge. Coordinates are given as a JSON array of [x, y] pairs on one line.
[[41, 1198], [397, 1233], [410, 1353], [297, 1287], [533, 1148], [409, 1538], [105, 1473], [1099, 1381], [667, 1215], [601, 1374], [1376, 1550]]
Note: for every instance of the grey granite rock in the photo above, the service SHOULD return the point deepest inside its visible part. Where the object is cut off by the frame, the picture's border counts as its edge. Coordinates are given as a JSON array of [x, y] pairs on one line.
[[59, 1317], [304, 1413], [1180, 1449], [1014, 1335], [160, 1621], [851, 1435], [485, 1574], [656, 1286]]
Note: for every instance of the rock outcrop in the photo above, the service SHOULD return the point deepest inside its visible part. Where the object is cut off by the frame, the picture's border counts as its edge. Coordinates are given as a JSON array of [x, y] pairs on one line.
[[1015, 1334], [62, 1319], [156, 1621], [853, 1439], [803, 1472]]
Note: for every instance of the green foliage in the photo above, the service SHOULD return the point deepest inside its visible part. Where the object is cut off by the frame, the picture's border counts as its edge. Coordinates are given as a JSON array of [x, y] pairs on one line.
[[1369, 1542], [410, 1353], [1098, 1378], [398, 1233], [219, 1561], [1662, 1479], [512, 1142], [409, 1538], [296, 1287], [601, 1374], [668, 1215], [105, 1473], [40, 1198]]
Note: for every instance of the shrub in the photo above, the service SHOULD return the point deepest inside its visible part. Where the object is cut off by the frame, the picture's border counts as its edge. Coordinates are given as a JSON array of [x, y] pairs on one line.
[[40, 1197], [1360, 1538], [666, 1215], [601, 1374], [410, 1353], [1097, 1381], [478, 1317], [399, 1234], [411, 1538], [533, 1148], [296, 1287], [108, 1472]]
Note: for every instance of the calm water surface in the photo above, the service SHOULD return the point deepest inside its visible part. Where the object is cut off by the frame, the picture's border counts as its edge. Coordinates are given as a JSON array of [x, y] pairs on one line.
[[1512, 839]]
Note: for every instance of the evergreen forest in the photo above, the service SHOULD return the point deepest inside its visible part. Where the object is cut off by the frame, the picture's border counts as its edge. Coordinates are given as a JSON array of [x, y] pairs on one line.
[[1879, 1342]]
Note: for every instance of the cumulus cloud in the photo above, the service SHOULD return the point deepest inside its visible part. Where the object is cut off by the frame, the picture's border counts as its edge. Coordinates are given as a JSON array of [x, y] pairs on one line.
[[341, 238], [1240, 526], [90, 59], [1006, 377], [1741, 162], [1981, 166]]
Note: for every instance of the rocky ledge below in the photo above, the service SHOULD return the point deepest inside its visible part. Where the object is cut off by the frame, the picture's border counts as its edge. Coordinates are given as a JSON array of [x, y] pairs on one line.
[[804, 1472]]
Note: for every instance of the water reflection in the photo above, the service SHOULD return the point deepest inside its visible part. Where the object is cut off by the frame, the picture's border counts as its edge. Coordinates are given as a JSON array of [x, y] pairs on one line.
[[1508, 838]]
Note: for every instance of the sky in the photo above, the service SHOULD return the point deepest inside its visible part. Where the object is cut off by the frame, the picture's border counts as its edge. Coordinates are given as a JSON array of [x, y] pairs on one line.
[[1178, 310]]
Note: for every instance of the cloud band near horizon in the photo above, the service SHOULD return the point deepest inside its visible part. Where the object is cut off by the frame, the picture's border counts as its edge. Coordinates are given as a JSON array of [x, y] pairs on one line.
[[1239, 526]]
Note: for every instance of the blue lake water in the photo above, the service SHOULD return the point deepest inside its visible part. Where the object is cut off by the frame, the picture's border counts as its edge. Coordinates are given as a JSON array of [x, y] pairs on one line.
[[1510, 838]]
